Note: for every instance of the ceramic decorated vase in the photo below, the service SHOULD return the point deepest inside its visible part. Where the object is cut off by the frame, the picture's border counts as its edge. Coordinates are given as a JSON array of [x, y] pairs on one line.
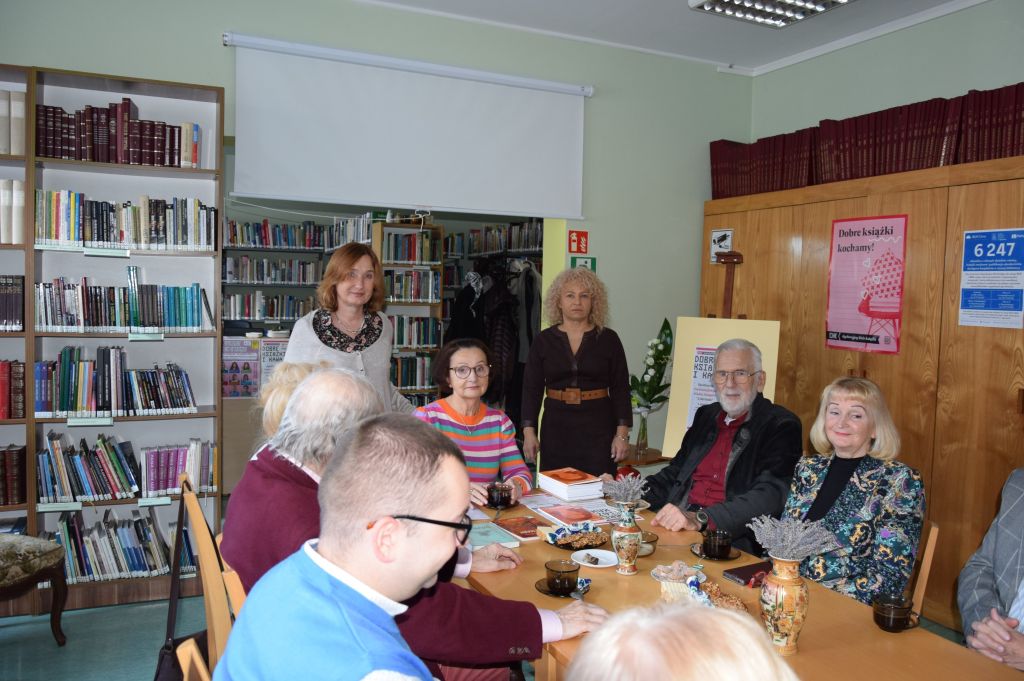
[[784, 604], [626, 537]]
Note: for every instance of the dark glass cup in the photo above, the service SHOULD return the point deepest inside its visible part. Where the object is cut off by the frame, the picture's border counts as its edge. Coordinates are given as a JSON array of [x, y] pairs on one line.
[[717, 544], [499, 495], [562, 576], [893, 613]]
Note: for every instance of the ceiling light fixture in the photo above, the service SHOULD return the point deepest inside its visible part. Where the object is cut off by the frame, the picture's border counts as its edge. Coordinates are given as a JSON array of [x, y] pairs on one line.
[[774, 13]]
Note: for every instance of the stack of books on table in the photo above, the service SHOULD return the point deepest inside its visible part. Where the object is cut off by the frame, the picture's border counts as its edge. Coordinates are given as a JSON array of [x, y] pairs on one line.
[[571, 484]]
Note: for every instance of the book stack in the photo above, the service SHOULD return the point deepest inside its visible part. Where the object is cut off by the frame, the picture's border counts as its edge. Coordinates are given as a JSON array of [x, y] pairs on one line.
[[452, 276], [412, 286], [162, 465], [12, 389], [115, 134], [258, 306], [64, 218], [455, 245], [245, 269], [416, 332], [12, 122], [570, 484], [526, 236], [347, 230], [12, 211], [411, 373], [113, 548], [14, 525], [12, 475], [420, 248], [104, 472], [307, 236], [75, 387], [12, 302]]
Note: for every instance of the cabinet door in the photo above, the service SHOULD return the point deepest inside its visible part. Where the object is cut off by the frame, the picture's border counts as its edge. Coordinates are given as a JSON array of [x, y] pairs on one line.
[[980, 430]]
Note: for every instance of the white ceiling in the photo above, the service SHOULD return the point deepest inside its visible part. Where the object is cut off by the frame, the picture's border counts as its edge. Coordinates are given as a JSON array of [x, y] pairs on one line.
[[671, 28]]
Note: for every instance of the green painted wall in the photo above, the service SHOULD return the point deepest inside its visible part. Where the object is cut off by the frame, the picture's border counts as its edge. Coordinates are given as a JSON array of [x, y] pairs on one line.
[[981, 47], [647, 128]]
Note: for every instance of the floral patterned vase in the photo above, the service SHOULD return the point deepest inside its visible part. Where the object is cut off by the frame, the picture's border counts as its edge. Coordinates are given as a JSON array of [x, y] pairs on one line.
[[626, 537], [784, 604]]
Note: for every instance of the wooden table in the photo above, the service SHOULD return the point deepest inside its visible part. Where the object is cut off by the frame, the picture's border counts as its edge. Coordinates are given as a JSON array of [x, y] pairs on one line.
[[839, 640]]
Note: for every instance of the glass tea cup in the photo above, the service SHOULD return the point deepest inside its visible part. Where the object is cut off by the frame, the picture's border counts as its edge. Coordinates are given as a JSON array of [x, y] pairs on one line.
[[562, 576]]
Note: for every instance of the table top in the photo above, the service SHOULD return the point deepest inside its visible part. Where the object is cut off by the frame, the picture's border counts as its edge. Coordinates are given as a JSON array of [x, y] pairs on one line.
[[838, 638]]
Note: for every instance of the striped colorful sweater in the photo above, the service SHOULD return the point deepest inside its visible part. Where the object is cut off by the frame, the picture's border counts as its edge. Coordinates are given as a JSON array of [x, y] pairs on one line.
[[487, 440]]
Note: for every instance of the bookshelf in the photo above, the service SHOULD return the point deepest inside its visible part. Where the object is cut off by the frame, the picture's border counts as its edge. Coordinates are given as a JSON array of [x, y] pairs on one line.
[[412, 256], [160, 219]]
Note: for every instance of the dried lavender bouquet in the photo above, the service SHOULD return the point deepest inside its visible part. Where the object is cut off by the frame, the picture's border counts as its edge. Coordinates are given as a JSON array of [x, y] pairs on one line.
[[628, 488], [792, 539]]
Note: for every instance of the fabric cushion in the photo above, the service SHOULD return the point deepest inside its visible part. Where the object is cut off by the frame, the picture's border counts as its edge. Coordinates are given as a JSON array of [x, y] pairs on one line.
[[21, 557]]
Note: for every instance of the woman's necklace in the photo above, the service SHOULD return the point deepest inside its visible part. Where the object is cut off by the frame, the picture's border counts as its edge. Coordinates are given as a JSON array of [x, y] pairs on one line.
[[346, 329], [463, 420]]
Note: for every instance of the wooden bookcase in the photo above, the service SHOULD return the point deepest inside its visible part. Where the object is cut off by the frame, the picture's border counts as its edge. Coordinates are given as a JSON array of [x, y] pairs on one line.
[[956, 392], [198, 353], [383, 235]]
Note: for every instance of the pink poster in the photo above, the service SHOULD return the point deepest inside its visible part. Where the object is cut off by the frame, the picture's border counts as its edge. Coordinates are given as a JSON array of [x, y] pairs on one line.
[[865, 284]]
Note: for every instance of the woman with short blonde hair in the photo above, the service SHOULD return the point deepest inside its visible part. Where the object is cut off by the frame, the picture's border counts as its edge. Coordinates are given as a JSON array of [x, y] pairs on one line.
[[276, 390], [873, 504], [679, 643]]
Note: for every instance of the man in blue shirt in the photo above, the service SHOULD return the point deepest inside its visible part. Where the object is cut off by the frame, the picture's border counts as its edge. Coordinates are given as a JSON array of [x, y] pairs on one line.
[[393, 509]]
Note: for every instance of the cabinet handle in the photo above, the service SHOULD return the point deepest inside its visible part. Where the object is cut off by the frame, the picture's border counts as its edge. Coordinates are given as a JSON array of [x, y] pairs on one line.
[[1020, 400]]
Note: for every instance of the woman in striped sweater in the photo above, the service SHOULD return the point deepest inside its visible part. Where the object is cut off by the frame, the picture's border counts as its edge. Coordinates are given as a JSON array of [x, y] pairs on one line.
[[486, 436]]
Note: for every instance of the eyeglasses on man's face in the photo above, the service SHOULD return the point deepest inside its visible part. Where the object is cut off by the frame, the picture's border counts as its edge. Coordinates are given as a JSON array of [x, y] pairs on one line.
[[462, 528], [464, 370], [739, 376]]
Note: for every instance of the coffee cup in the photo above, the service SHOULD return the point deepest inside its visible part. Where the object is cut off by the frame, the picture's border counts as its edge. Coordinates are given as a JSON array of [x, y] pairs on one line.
[[499, 495], [894, 613], [717, 544], [562, 576]]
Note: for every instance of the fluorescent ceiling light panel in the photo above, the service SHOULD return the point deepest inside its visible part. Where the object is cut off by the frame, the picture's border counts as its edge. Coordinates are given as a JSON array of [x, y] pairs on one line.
[[773, 13]]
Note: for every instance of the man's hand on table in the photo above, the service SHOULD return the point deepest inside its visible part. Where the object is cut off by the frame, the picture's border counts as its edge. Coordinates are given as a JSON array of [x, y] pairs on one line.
[[494, 558], [579, 618], [997, 637], [672, 518]]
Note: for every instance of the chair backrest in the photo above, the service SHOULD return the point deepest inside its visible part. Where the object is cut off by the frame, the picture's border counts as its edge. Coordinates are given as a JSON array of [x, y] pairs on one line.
[[215, 599], [191, 660], [232, 582], [931, 531]]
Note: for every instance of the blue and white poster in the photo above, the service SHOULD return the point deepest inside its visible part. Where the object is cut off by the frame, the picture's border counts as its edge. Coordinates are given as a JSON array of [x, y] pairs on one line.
[[992, 279]]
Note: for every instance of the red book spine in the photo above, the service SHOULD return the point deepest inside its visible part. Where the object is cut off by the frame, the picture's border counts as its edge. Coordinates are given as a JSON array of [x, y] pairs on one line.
[[5, 389], [160, 143], [113, 130], [146, 143], [135, 142], [40, 130], [17, 390]]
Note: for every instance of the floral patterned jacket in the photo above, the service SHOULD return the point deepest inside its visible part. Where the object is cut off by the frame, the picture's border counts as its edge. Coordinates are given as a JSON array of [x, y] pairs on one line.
[[876, 520]]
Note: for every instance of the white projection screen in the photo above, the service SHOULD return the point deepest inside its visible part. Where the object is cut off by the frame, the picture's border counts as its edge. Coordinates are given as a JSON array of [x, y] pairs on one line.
[[319, 130]]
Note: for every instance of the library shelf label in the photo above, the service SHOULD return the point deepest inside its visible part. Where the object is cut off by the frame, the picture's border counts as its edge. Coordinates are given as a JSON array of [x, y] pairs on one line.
[[139, 336], [154, 501], [74, 421], [107, 252], [59, 506]]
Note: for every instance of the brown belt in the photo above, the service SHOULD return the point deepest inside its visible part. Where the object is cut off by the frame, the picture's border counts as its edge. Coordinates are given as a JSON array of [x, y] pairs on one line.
[[575, 395]]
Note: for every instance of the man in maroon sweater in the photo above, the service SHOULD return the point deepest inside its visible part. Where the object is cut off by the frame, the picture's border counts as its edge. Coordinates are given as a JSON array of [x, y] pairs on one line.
[[273, 510]]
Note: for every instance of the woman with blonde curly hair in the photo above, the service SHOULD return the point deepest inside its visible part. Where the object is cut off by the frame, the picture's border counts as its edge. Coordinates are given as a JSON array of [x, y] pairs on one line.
[[873, 504], [276, 390], [579, 366]]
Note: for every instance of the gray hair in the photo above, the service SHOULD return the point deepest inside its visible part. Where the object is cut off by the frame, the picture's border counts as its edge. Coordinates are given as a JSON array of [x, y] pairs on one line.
[[740, 344], [390, 467], [325, 406]]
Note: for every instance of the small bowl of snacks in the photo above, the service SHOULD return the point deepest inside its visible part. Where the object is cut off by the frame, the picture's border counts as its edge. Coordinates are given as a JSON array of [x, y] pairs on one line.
[[680, 583], [648, 542], [585, 535]]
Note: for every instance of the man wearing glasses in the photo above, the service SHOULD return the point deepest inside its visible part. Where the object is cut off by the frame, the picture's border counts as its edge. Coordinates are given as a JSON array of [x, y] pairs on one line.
[[736, 460], [392, 511]]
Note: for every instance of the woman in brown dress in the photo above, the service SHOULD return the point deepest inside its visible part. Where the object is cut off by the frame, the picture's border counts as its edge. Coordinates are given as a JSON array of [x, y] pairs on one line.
[[579, 365]]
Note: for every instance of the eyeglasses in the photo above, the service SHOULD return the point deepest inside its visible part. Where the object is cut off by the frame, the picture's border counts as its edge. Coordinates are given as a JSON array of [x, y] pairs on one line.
[[463, 370], [463, 528], [739, 377]]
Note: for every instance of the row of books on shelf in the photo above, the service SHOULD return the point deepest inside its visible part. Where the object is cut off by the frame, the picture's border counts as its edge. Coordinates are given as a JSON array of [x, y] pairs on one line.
[[117, 548], [245, 269], [304, 236], [12, 302], [74, 387], [115, 134], [12, 389], [258, 305], [412, 286], [416, 332], [64, 306], [411, 373], [12, 211], [12, 122], [978, 126], [422, 247], [12, 475], [453, 275], [69, 219], [518, 236], [109, 470]]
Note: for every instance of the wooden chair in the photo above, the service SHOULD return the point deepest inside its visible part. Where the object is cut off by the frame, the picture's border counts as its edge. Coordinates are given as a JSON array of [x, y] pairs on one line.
[[215, 599], [925, 565], [193, 668], [28, 561], [232, 583]]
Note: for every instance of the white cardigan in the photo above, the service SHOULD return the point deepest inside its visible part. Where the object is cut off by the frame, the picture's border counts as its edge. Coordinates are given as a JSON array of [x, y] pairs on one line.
[[373, 363]]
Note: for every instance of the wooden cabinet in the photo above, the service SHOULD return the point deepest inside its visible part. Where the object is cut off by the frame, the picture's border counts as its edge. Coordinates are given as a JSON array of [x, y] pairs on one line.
[[953, 391]]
